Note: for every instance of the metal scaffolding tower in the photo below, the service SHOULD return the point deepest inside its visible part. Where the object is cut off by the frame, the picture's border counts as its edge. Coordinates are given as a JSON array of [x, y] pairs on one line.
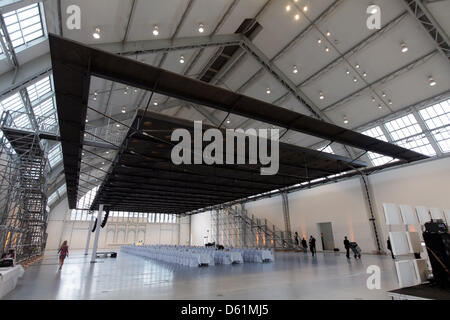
[[23, 189], [232, 227]]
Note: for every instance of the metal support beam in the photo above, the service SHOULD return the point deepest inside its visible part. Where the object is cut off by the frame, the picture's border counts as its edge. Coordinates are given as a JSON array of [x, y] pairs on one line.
[[134, 48], [97, 233], [283, 79], [356, 48], [287, 218], [91, 224], [291, 43], [423, 16], [383, 79]]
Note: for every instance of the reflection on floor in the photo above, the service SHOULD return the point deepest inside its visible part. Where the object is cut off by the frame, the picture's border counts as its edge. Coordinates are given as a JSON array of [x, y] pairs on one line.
[[291, 276]]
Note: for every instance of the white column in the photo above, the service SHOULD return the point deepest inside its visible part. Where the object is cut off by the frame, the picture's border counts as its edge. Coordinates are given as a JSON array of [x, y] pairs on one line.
[[91, 224], [97, 232]]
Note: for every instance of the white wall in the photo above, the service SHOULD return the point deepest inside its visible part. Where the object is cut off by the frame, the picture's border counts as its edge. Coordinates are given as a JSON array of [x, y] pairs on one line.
[[114, 234], [200, 228], [343, 204]]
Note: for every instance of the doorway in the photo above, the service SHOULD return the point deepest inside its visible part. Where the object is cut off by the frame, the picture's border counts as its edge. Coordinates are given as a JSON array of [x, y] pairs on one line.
[[326, 235]]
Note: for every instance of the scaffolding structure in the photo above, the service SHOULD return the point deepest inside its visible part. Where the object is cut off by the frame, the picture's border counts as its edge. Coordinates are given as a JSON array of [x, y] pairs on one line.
[[232, 227], [23, 191]]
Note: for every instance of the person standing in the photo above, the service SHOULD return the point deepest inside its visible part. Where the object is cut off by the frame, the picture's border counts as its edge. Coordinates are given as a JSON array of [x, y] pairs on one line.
[[304, 245], [312, 245], [296, 239], [390, 247], [63, 253], [347, 247]]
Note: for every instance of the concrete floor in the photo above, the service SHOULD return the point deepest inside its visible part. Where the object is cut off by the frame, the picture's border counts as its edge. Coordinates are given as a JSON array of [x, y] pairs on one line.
[[291, 276]]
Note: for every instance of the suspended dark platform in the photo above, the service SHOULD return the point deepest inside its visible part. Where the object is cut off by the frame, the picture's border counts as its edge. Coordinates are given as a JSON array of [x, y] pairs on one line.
[[75, 63], [143, 177]]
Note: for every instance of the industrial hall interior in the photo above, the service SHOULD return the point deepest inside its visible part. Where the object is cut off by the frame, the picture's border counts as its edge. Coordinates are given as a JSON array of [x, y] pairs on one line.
[[224, 150]]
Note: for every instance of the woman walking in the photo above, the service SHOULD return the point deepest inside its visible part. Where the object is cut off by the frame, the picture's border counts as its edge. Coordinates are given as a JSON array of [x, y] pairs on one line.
[[63, 253]]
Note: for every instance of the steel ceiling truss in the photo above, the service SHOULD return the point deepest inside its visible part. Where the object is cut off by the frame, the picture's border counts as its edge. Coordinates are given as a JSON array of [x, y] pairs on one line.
[[419, 10]]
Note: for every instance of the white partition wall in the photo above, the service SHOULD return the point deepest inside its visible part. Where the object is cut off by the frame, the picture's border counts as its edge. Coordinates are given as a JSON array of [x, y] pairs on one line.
[[421, 268], [392, 214], [423, 214], [436, 214], [414, 242], [406, 273], [399, 243], [408, 215], [447, 215]]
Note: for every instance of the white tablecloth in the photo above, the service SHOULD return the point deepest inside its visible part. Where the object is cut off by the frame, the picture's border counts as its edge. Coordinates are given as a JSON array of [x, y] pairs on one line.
[[8, 279]]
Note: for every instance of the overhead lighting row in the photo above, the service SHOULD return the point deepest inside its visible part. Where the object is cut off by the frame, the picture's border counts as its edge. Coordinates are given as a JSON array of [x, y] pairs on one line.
[[96, 34]]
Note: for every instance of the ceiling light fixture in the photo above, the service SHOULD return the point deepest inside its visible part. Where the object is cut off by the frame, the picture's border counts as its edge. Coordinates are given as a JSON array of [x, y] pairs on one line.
[[96, 33], [357, 66], [124, 109], [404, 47], [373, 99], [228, 121], [181, 59], [321, 96], [383, 94], [328, 33], [319, 41], [201, 28], [155, 103], [327, 49], [288, 8], [365, 74], [268, 91], [297, 17], [155, 30], [355, 79], [347, 72], [390, 102], [431, 81], [345, 120], [380, 106], [305, 8], [295, 70]]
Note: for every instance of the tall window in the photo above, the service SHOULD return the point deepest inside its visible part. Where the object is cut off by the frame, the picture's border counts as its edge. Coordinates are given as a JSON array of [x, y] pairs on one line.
[[437, 119], [376, 158], [407, 133]]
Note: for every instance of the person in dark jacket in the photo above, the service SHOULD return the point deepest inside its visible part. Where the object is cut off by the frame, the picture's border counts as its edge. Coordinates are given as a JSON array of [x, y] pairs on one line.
[[296, 238], [304, 245], [312, 245], [390, 247], [347, 247]]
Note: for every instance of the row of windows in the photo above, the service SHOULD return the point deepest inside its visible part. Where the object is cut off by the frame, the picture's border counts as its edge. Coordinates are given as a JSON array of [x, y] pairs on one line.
[[123, 216], [24, 25], [406, 132]]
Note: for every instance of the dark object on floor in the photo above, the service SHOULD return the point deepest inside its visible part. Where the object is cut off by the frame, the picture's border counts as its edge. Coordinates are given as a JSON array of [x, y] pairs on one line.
[[220, 247], [356, 250], [437, 241], [336, 249], [111, 254], [6, 263], [211, 244], [424, 291]]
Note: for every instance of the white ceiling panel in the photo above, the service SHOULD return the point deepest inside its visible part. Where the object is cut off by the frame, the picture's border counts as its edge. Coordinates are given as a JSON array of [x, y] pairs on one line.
[[110, 15], [206, 12], [165, 14]]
